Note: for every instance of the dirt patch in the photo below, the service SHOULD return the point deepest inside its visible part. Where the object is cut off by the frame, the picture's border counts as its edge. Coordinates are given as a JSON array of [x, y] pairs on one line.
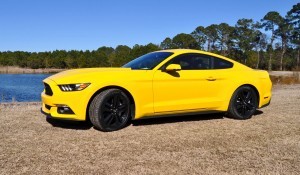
[[269, 143]]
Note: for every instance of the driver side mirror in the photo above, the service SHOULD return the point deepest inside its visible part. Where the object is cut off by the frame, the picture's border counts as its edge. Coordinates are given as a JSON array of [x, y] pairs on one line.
[[173, 67]]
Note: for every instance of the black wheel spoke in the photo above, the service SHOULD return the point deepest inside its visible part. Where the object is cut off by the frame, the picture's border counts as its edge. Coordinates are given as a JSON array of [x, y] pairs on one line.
[[238, 102], [108, 120], [122, 110], [107, 117], [239, 106], [108, 104], [241, 96], [240, 110], [248, 95], [115, 100], [118, 119], [121, 106], [250, 100], [106, 109], [243, 110], [250, 106]]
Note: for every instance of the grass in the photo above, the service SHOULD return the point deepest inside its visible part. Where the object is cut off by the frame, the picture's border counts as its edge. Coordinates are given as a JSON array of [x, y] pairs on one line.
[[269, 143]]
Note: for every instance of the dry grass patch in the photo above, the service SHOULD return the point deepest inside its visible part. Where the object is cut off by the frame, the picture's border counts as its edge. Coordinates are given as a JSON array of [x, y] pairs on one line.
[[20, 70], [269, 143], [293, 78]]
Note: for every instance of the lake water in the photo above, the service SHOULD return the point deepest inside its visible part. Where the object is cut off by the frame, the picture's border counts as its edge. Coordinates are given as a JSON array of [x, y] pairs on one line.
[[21, 87]]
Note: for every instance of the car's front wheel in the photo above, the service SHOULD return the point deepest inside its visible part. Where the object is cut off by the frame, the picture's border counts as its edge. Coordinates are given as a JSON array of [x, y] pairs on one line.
[[110, 110], [243, 103]]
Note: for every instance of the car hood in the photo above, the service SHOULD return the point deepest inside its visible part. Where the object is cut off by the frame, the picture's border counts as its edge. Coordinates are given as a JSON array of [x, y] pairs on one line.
[[86, 75]]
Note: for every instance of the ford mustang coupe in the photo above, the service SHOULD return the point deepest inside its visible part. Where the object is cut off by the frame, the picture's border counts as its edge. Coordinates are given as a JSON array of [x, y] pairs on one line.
[[162, 83]]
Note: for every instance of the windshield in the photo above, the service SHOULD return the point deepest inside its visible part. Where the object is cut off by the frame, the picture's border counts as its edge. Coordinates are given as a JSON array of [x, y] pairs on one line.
[[148, 61]]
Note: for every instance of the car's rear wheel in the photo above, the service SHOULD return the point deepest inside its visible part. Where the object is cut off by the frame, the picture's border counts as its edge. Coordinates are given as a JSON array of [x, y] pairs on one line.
[[110, 110], [243, 103]]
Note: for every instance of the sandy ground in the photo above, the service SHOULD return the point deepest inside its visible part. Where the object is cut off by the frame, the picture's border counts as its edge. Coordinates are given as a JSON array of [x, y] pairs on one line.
[[269, 143]]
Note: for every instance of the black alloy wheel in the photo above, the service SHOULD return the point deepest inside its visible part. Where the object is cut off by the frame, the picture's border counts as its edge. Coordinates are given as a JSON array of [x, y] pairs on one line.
[[110, 110], [114, 110], [243, 103]]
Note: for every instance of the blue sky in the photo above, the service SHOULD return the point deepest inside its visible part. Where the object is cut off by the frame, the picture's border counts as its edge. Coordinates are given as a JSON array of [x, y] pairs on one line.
[[46, 25]]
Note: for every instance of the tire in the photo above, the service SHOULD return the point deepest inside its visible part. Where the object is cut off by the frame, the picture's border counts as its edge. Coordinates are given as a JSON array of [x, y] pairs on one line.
[[110, 110], [243, 103]]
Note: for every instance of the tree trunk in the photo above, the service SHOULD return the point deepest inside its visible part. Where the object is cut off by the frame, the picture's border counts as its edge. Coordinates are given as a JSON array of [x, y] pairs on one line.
[[270, 61], [213, 45], [281, 58], [223, 52], [258, 59], [221, 49], [282, 53], [271, 51], [298, 58], [208, 45]]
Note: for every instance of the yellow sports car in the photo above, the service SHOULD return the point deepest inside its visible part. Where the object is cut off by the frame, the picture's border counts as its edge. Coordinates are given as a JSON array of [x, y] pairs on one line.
[[162, 83]]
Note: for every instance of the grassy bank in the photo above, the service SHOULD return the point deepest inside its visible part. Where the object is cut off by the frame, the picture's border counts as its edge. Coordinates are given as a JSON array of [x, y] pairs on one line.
[[285, 77], [19, 70]]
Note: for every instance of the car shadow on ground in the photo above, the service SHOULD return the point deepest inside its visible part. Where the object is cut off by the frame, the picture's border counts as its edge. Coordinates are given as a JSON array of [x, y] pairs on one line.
[[184, 118], [86, 125], [77, 125], [257, 112], [177, 119]]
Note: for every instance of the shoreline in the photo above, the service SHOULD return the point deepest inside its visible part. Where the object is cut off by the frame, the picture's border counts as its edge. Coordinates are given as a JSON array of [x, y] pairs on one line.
[[20, 70], [20, 103]]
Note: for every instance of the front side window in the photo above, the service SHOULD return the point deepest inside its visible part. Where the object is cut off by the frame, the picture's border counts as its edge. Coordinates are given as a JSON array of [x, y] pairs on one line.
[[148, 61]]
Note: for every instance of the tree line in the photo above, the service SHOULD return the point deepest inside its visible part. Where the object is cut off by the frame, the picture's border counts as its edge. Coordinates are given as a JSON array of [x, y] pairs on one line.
[[273, 43]]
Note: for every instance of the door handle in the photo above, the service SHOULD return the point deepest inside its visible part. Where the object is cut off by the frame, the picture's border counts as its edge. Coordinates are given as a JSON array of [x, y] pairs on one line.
[[211, 79]]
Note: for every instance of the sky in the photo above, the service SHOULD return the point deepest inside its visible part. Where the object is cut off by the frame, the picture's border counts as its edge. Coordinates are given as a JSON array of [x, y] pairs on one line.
[[47, 25]]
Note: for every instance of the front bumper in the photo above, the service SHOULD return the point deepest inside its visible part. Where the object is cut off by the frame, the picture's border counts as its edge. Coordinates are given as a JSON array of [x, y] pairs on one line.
[[74, 100]]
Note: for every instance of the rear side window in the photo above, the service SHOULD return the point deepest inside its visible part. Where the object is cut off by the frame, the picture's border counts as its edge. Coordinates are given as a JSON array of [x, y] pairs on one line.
[[221, 64]]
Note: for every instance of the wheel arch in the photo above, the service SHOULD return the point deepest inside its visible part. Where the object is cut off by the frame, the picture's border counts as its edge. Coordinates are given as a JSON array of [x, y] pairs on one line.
[[129, 95]]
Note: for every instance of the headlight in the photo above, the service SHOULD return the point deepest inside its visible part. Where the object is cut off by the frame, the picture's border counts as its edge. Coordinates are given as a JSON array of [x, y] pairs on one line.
[[73, 87]]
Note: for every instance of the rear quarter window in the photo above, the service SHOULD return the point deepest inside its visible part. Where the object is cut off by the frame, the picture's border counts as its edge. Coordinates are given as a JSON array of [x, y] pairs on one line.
[[221, 64]]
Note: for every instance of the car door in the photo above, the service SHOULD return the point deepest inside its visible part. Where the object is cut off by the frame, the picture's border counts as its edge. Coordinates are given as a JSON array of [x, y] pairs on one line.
[[195, 87]]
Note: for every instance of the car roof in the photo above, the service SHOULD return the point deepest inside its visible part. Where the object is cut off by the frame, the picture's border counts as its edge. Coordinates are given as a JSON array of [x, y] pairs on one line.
[[180, 51]]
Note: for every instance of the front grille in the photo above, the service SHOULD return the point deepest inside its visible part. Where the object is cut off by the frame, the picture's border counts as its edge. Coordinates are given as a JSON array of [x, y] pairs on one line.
[[48, 90]]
